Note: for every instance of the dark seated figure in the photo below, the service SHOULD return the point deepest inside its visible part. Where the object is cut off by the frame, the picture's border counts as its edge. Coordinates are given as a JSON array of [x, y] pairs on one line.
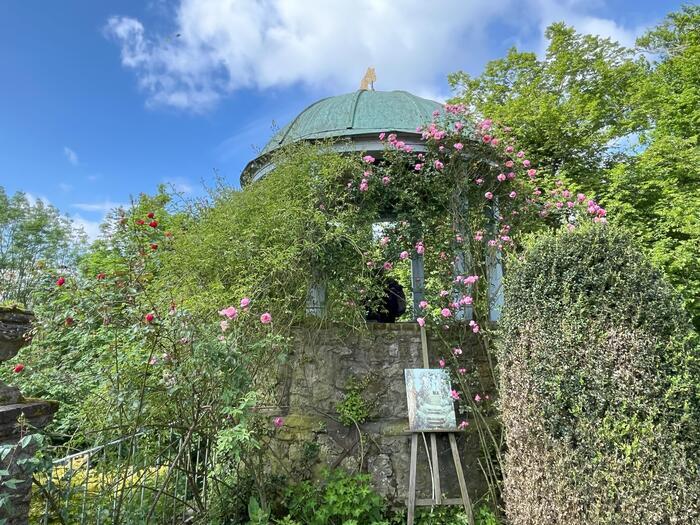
[[391, 306]]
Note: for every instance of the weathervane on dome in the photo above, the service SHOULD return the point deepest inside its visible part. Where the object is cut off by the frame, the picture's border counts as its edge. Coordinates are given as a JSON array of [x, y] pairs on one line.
[[368, 80]]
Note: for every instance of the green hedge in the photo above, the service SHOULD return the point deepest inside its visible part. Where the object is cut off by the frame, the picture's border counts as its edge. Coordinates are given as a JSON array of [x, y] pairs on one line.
[[599, 377]]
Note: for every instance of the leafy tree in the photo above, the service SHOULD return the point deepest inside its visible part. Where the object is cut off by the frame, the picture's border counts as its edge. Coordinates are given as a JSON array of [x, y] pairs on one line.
[[32, 235], [622, 123], [657, 193], [566, 108]]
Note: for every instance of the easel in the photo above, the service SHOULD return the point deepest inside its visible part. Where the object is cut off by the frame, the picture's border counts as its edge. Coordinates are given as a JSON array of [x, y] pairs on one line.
[[434, 464]]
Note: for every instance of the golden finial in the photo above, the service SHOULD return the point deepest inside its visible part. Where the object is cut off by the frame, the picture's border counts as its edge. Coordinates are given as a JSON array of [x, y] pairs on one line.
[[368, 80]]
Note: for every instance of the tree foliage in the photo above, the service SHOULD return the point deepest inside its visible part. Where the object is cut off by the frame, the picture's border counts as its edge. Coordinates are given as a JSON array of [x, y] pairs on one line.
[[656, 194], [621, 123], [32, 235], [565, 108]]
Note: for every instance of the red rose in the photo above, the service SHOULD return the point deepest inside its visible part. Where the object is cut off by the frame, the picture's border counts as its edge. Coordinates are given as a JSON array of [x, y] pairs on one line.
[[154, 247], [140, 222], [150, 317], [153, 224], [101, 276], [60, 282], [70, 321], [18, 368], [151, 214]]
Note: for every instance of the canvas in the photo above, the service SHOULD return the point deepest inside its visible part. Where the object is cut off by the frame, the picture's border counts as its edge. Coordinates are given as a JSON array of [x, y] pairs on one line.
[[430, 406]]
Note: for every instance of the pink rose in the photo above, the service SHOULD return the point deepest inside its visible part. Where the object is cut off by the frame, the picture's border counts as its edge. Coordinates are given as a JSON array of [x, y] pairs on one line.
[[420, 321], [229, 312], [266, 318], [403, 255], [369, 159]]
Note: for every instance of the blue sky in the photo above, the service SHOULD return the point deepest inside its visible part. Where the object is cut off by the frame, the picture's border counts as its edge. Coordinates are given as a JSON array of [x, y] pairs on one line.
[[103, 100]]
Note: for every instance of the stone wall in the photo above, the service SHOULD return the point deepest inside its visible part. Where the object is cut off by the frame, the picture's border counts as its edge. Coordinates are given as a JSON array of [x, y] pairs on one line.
[[315, 380], [15, 325]]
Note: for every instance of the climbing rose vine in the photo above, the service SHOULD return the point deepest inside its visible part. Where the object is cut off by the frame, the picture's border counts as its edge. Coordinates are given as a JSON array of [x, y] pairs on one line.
[[460, 199]]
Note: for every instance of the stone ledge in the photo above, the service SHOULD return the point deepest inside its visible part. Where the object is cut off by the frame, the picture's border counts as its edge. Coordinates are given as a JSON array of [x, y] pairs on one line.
[[37, 412]]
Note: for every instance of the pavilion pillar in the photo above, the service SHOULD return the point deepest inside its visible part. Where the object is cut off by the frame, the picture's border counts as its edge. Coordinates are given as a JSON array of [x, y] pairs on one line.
[[494, 268], [316, 296], [417, 282]]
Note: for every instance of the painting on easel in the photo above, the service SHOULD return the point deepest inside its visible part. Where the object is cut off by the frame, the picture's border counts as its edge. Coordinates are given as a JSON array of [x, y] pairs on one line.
[[430, 406]]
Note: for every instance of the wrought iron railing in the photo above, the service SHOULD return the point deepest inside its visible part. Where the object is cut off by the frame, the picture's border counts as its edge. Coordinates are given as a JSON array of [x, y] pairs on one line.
[[146, 477]]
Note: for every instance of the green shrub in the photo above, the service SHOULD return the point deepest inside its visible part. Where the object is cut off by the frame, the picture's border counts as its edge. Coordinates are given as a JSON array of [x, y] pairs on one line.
[[338, 498], [599, 376], [355, 406]]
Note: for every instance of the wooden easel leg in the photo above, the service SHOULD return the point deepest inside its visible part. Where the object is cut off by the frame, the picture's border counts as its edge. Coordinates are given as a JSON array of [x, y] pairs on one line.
[[436, 469], [412, 480], [460, 477]]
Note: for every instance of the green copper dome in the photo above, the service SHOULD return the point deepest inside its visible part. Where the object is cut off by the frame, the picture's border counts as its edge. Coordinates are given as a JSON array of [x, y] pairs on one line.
[[351, 115], [357, 113]]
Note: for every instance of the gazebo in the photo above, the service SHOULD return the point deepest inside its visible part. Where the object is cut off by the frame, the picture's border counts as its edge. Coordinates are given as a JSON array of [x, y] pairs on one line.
[[353, 122]]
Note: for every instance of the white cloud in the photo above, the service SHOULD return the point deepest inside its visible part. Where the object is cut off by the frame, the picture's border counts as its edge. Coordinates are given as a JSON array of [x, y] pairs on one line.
[[180, 185], [572, 12], [33, 199], [71, 155], [104, 207], [225, 45], [91, 228], [219, 46]]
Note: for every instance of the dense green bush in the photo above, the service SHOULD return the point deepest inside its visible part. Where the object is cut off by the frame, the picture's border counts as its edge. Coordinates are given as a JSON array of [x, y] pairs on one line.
[[337, 499], [600, 377]]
